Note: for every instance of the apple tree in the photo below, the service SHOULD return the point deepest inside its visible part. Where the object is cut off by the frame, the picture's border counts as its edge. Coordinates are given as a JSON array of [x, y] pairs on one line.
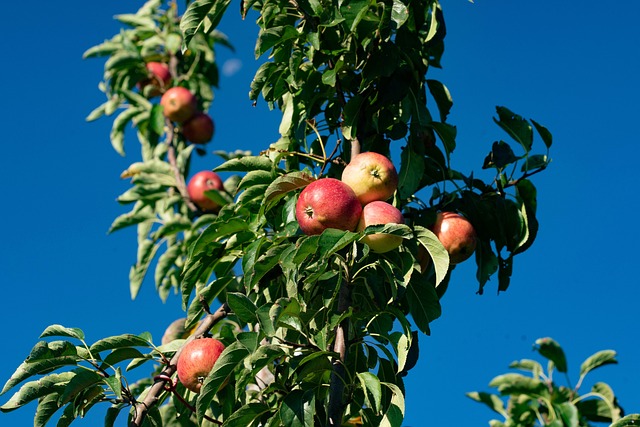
[[318, 328]]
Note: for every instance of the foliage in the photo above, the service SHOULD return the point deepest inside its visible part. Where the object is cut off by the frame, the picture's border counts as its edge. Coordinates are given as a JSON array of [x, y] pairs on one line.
[[318, 330], [537, 399]]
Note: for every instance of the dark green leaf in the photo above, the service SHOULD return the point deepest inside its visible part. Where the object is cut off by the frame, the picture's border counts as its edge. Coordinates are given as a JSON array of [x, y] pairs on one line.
[[246, 164], [47, 406], [411, 172], [202, 16], [119, 124], [373, 390], [242, 307], [601, 358], [229, 359], [549, 348], [29, 369], [36, 389], [246, 414], [81, 381], [424, 304], [569, 413], [632, 420], [544, 133], [119, 341], [517, 127], [61, 331], [501, 155], [442, 96], [298, 409], [283, 185], [437, 252]]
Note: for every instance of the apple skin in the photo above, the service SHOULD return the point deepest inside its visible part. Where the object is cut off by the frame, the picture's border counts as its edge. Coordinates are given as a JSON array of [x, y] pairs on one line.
[[372, 176], [376, 213], [456, 234], [199, 129], [159, 78], [327, 203], [196, 361], [179, 103], [201, 182]]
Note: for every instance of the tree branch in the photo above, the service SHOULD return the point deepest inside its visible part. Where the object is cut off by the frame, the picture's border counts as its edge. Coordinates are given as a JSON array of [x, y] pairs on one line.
[[171, 155], [153, 396], [336, 390]]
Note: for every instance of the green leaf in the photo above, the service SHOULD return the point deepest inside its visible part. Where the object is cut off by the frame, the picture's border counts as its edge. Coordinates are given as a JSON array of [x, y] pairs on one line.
[[437, 252], [491, 400], [120, 341], [28, 369], [411, 172], [372, 388], [394, 415], [442, 97], [242, 307], [549, 348], [501, 155], [517, 127], [36, 389], [528, 365], [601, 358], [202, 16], [544, 133], [399, 13], [447, 134], [246, 164], [569, 413], [298, 409], [231, 357], [514, 384], [61, 331], [47, 406], [351, 114], [283, 185], [599, 409], [82, 380], [246, 415], [119, 124], [424, 304], [632, 420]]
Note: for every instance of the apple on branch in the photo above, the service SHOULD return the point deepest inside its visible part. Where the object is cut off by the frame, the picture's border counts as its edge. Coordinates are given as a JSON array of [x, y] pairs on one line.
[[456, 234], [380, 213], [159, 77], [179, 104], [199, 184], [196, 361], [372, 176], [327, 203], [199, 129]]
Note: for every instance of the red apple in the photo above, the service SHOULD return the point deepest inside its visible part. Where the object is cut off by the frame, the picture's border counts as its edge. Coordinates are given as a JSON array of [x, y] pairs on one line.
[[159, 78], [201, 182], [327, 203], [196, 361], [377, 213], [198, 129], [456, 234], [179, 104], [372, 176]]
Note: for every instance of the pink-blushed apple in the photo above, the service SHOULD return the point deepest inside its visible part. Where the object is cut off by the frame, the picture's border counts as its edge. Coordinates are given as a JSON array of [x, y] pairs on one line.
[[199, 184], [380, 213], [327, 203], [199, 128], [456, 234], [196, 361], [372, 176], [159, 77], [179, 104]]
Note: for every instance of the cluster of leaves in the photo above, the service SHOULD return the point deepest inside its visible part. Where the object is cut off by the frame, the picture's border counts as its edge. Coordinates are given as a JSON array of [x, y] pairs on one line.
[[322, 318], [537, 400], [166, 223]]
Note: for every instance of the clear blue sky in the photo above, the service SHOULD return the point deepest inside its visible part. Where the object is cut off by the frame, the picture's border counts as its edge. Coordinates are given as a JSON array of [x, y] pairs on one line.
[[570, 65]]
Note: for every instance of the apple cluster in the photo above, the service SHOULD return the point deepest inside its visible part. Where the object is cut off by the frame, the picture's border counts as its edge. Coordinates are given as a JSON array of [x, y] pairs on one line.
[[359, 200], [356, 201], [179, 104]]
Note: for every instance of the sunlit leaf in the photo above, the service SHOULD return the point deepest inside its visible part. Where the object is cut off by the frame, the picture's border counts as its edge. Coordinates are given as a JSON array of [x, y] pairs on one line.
[[549, 348]]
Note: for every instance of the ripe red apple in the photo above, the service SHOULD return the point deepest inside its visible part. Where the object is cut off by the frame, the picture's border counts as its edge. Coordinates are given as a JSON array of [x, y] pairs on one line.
[[456, 234], [179, 104], [196, 361], [376, 213], [199, 128], [201, 182], [158, 78], [327, 203], [372, 176]]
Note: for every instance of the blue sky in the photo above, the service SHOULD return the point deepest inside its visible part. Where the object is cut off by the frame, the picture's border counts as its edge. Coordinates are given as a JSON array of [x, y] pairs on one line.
[[571, 66]]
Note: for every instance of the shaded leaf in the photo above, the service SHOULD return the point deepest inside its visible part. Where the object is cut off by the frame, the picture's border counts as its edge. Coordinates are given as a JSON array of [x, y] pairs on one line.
[[491, 400], [119, 341], [373, 390], [201, 16], [61, 331], [549, 348], [517, 127], [242, 307]]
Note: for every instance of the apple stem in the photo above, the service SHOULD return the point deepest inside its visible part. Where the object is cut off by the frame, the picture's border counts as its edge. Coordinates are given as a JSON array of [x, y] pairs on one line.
[[152, 397]]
